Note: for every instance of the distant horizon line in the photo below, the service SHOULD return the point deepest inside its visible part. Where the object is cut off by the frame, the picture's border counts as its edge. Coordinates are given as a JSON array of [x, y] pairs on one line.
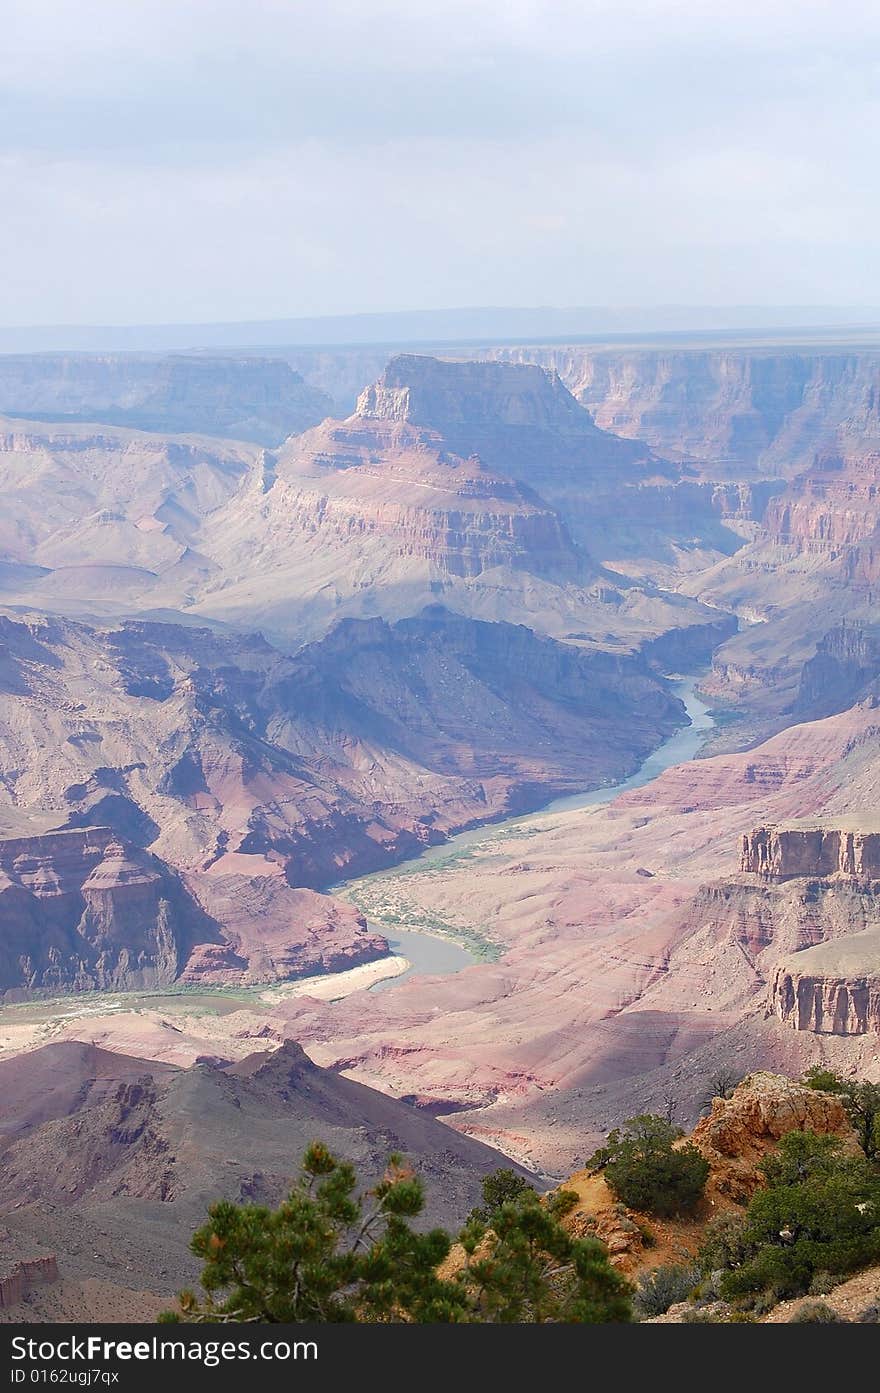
[[608, 308], [457, 326]]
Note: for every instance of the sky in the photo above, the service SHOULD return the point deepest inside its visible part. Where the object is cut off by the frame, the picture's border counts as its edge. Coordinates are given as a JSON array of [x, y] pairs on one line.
[[204, 160]]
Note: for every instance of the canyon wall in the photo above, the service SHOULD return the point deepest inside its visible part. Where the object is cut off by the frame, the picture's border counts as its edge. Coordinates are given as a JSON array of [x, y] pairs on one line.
[[19, 1276], [780, 853], [740, 411], [832, 986], [259, 399], [832, 989], [846, 662], [81, 910]]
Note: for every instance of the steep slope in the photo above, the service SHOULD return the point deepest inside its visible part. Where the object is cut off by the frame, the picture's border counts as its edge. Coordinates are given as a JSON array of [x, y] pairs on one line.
[[119, 1164]]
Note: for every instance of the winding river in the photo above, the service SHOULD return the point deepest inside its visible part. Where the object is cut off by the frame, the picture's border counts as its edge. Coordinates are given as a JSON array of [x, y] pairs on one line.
[[433, 953]]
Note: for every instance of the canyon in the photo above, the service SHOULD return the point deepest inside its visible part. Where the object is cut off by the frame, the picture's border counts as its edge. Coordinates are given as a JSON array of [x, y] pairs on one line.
[[172, 798], [288, 669], [256, 399]]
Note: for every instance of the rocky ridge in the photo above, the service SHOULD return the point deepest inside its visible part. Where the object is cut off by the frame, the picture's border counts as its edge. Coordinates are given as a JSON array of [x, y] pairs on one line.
[[118, 1165], [747, 411]]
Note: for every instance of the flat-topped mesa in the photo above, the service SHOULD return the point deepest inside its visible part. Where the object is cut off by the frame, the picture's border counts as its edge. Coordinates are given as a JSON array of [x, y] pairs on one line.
[[832, 988], [783, 853], [434, 392]]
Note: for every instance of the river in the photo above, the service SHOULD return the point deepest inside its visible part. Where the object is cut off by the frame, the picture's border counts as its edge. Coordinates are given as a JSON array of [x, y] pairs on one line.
[[435, 953]]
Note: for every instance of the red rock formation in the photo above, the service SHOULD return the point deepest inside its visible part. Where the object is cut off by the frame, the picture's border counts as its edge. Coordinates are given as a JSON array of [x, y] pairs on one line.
[[390, 479], [21, 1270]]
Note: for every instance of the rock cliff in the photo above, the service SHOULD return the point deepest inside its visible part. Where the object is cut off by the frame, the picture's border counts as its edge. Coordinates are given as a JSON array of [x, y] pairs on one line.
[[737, 411], [82, 910], [21, 1271], [833, 988], [237, 780], [780, 853], [627, 505], [393, 481], [846, 663]]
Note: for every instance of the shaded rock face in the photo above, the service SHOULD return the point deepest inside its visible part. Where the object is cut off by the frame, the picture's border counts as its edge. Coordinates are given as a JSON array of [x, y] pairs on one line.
[[262, 778], [140, 1149], [735, 410], [515, 418], [443, 395], [846, 662], [257, 399], [782, 853], [83, 910]]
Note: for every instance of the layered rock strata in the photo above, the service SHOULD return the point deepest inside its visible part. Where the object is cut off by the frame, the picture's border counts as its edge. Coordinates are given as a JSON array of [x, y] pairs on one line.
[[780, 853], [832, 989]]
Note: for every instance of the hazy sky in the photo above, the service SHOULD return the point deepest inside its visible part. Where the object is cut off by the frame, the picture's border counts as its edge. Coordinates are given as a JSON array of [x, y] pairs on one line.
[[244, 159]]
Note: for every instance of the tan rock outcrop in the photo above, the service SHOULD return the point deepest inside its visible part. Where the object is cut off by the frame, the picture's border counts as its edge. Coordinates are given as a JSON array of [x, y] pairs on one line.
[[783, 852], [833, 988], [741, 1130]]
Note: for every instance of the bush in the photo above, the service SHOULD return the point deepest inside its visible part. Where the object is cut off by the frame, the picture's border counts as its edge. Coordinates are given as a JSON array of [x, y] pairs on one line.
[[724, 1243], [862, 1103], [819, 1214], [329, 1254], [646, 1171], [499, 1187], [664, 1287]]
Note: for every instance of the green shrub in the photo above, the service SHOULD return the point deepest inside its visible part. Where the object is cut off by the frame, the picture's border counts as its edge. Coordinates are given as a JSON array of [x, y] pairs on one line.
[[499, 1187], [862, 1103], [646, 1171], [330, 1254], [819, 1213]]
